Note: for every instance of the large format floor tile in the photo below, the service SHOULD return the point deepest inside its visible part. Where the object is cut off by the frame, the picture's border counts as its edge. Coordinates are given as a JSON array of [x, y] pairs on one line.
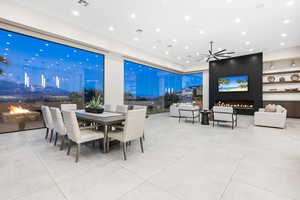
[[182, 161]]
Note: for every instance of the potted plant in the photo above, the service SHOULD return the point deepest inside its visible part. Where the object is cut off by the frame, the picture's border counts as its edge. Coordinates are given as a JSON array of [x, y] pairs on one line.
[[94, 106]]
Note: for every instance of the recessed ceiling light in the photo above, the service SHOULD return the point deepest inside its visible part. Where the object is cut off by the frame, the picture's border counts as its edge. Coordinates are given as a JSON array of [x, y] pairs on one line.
[[201, 32], [197, 53], [290, 3], [178, 57], [187, 18], [111, 28], [282, 43], [250, 50], [187, 61], [186, 47], [244, 33], [286, 21], [154, 47], [157, 30], [283, 35], [229, 1], [75, 13], [8, 43], [167, 53], [247, 42], [9, 35], [132, 16], [237, 20], [136, 39], [174, 40]]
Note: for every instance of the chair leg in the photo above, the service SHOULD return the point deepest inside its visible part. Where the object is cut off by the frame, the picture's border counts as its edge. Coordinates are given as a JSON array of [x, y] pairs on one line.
[[107, 144], [141, 143], [69, 147], [62, 142], [51, 135], [124, 150], [77, 152], [47, 132], [144, 135], [56, 136]]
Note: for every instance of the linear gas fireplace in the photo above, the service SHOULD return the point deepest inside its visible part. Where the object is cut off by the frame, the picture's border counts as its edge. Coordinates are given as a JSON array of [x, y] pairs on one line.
[[241, 106]]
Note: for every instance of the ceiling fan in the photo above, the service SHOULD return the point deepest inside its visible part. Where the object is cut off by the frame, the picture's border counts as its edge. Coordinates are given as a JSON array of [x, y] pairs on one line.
[[216, 55]]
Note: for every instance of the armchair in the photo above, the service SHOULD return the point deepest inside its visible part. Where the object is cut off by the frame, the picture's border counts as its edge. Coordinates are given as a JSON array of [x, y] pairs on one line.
[[224, 114]]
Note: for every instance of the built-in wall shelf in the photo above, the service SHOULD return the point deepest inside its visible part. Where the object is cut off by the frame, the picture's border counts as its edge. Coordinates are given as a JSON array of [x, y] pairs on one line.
[[285, 82], [281, 92], [281, 72]]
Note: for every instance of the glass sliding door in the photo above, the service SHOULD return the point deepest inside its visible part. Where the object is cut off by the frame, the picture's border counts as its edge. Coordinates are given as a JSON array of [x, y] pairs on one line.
[[158, 89], [37, 72]]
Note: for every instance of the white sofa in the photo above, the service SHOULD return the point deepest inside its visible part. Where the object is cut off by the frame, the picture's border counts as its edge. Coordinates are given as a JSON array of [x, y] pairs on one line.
[[174, 108], [271, 119]]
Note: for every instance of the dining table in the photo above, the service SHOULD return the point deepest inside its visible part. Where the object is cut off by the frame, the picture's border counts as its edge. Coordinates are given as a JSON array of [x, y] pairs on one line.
[[105, 119]]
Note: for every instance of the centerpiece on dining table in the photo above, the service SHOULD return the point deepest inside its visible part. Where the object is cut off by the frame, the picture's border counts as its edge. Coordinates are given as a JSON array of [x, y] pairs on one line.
[[94, 106]]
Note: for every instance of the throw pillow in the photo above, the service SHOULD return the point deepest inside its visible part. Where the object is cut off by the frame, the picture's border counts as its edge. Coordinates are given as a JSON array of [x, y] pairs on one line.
[[270, 108]]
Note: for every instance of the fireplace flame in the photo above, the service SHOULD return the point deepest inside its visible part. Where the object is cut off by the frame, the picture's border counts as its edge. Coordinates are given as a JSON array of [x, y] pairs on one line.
[[17, 109]]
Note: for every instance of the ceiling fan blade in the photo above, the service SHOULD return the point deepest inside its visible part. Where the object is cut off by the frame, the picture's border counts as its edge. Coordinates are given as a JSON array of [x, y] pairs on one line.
[[226, 53], [216, 58], [224, 56], [210, 52], [220, 51]]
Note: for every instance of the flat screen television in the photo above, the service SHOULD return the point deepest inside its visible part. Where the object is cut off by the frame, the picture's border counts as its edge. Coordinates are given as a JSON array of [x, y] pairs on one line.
[[233, 84]]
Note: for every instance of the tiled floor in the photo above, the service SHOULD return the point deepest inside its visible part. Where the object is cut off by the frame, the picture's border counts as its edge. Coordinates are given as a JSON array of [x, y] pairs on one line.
[[181, 162]]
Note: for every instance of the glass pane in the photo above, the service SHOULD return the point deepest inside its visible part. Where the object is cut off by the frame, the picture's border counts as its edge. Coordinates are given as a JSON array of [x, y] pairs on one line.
[[38, 72], [158, 89]]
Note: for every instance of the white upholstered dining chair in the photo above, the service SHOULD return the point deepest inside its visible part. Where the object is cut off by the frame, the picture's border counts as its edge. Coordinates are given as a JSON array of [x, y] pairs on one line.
[[68, 107], [108, 108], [59, 126], [77, 135], [133, 129], [121, 108], [48, 121]]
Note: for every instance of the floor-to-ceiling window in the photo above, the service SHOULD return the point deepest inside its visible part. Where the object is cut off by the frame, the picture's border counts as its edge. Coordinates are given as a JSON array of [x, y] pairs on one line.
[[158, 89], [35, 72]]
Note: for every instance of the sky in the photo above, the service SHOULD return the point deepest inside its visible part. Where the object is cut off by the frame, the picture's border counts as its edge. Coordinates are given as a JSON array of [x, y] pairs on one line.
[[44, 63]]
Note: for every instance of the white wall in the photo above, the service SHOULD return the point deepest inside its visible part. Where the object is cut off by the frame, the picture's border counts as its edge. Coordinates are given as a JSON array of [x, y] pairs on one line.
[[206, 89], [114, 80]]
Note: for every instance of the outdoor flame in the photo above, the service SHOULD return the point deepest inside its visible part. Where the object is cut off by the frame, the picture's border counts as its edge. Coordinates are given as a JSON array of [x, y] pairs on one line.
[[17, 109]]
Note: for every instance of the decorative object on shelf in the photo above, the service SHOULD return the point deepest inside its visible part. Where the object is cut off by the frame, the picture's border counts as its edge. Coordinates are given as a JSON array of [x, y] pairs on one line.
[[293, 64], [292, 89], [271, 66], [273, 89], [295, 77], [216, 55], [4, 61], [281, 79], [94, 106], [271, 79]]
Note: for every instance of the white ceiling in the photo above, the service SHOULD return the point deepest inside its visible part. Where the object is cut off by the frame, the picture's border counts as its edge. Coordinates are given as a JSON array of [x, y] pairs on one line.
[[262, 20]]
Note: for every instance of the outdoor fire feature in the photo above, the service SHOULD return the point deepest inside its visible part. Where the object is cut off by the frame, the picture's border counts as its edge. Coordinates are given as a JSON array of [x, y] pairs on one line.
[[20, 115]]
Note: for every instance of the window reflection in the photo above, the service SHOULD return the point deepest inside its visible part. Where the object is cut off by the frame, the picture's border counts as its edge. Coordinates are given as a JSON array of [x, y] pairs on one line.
[[158, 89], [38, 72]]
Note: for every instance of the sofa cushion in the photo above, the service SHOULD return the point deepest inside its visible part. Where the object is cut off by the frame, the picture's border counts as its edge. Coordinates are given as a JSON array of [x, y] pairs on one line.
[[270, 108]]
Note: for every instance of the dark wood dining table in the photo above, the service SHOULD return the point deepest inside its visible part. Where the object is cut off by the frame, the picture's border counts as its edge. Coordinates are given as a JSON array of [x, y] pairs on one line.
[[105, 119]]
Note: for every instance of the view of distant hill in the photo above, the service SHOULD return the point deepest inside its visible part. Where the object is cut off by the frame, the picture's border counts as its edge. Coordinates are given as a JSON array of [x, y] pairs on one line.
[[10, 88]]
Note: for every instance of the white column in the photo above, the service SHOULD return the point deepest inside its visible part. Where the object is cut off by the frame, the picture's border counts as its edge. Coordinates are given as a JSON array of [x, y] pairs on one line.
[[114, 80], [206, 89]]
